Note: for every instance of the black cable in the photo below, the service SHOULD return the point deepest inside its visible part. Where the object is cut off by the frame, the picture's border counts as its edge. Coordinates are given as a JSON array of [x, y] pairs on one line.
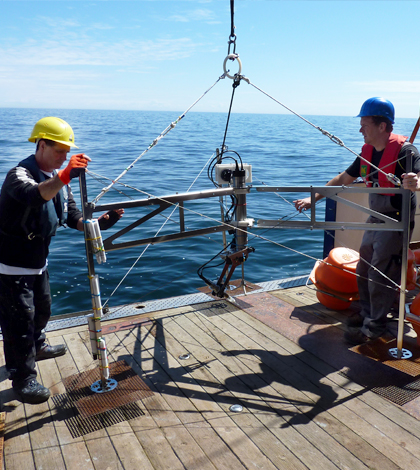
[[232, 25], [236, 83]]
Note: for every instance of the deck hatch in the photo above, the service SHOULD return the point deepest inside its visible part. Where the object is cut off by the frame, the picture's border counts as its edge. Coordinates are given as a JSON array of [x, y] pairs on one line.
[[378, 351], [130, 389]]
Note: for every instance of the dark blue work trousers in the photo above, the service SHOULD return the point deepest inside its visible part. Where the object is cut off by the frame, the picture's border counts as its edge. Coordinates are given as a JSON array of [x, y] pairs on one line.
[[25, 308]]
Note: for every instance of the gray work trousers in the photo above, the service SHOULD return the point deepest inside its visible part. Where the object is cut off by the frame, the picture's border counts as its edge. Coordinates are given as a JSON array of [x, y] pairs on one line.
[[382, 249]]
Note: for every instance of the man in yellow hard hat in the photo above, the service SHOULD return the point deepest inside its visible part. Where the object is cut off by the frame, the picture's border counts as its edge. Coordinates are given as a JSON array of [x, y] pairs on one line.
[[35, 199]]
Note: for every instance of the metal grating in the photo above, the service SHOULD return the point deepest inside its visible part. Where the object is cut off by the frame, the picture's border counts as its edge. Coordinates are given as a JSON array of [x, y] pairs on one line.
[[130, 388], [398, 391], [400, 394], [79, 426], [378, 350]]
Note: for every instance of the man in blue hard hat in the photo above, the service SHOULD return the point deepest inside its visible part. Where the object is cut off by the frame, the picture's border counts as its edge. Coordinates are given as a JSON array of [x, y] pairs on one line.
[[380, 251]]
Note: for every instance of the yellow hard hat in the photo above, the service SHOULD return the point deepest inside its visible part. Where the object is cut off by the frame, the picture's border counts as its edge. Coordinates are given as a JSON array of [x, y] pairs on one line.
[[53, 128]]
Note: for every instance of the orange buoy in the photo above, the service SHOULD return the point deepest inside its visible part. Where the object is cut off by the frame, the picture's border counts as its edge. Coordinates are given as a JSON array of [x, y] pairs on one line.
[[338, 272], [416, 254], [332, 302], [335, 278]]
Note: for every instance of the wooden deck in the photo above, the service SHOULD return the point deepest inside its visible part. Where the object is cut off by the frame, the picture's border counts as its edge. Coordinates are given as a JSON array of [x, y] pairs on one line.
[[280, 355]]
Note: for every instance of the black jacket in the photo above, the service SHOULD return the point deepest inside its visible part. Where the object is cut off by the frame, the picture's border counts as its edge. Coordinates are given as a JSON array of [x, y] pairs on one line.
[[27, 221]]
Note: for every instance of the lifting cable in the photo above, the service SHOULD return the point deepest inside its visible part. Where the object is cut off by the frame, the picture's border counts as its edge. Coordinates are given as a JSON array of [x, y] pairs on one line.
[[237, 77], [156, 234], [155, 141], [236, 81], [392, 178]]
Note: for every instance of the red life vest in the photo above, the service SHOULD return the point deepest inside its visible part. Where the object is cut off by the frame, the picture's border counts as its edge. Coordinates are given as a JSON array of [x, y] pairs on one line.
[[388, 161]]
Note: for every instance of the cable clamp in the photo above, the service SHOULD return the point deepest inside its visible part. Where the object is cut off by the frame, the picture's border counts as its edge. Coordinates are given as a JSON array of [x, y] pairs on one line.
[[393, 179]]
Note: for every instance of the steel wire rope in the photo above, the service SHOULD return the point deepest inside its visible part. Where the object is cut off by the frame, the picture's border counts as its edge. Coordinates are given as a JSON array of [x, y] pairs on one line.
[[339, 142], [235, 84], [155, 141], [396, 286], [332, 137], [157, 233], [281, 197]]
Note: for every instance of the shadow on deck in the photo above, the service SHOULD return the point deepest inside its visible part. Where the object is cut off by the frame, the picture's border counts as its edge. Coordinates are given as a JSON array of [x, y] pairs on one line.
[[308, 401]]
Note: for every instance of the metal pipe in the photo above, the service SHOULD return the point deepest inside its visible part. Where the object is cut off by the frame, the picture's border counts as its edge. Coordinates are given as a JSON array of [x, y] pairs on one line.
[[239, 177], [87, 211], [405, 216]]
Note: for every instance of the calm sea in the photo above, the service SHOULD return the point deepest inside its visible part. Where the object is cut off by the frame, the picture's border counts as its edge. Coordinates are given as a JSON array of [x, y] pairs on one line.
[[282, 149]]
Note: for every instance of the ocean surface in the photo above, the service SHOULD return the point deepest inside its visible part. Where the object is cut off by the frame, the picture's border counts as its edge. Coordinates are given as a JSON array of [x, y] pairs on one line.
[[282, 149]]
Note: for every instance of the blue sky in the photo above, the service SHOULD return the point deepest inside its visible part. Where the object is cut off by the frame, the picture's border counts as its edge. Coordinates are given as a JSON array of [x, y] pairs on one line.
[[316, 57]]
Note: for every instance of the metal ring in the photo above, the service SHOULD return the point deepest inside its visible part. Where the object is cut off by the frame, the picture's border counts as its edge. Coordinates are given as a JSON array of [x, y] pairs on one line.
[[232, 57]]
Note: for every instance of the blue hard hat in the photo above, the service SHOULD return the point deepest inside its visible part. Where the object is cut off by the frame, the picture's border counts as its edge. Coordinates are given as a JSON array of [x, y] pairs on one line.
[[378, 107]]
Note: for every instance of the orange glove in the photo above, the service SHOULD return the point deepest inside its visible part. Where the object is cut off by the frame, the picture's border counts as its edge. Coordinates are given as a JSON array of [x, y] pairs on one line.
[[76, 164]]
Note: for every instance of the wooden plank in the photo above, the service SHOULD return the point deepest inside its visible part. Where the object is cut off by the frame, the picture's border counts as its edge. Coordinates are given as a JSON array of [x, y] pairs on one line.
[[290, 420], [130, 452], [270, 338], [342, 434], [2, 426], [39, 417], [78, 345], [20, 460], [274, 445], [204, 391], [216, 448], [50, 458], [191, 455], [76, 456], [305, 298], [148, 428], [375, 436], [244, 448], [62, 367], [40, 426], [318, 437], [103, 455], [158, 450], [16, 438], [185, 389], [207, 439]]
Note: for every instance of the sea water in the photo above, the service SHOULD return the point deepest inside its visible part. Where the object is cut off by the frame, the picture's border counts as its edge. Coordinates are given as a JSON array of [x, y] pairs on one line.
[[283, 150]]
